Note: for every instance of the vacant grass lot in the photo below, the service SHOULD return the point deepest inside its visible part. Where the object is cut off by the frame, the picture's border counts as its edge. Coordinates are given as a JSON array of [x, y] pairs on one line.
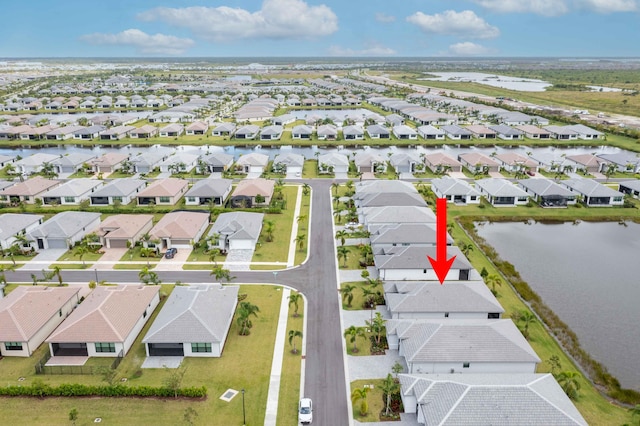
[[218, 374]]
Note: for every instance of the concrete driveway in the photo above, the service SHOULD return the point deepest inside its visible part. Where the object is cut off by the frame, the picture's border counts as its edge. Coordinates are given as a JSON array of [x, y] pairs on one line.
[[176, 263], [44, 258], [111, 255]]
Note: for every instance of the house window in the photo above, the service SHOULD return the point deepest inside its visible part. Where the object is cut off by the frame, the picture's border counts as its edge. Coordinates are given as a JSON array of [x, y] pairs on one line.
[[69, 199], [473, 197], [201, 347], [446, 314], [105, 347], [116, 199], [165, 199], [27, 198], [424, 271], [60, 313], [191, 199], [465, 365], [617, 199], [13, 346]]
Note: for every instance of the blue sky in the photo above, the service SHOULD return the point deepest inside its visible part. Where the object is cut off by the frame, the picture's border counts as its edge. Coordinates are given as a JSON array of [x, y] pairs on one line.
[[392, 28]]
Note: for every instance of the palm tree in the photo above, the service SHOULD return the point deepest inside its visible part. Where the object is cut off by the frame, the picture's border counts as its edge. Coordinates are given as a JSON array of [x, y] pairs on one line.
[[377, 327], [360, 395], [220, 273], [56, 272], [349, 185], [305, 188], [301, 218], [300, 240], [80, 251], [352, 333], [342, 236], [3, 269], [369, 298], [610, 170], [269, 228], [526, 318], [292, 339], [338, 215], [213, 253], [465, 248], [344, 253], [347, 293], [245, 310], [494, 280], [335, 186], [336, 199], [367, 253], [294, 299], [148, 277], [389, 387], [568, 380]]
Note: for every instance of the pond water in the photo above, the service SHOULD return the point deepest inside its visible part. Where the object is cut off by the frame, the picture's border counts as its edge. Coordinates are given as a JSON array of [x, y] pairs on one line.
[[503, 81], [588, 274]]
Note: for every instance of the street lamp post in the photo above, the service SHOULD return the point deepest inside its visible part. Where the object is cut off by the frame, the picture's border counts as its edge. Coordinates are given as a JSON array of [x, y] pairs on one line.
[[244, 417]]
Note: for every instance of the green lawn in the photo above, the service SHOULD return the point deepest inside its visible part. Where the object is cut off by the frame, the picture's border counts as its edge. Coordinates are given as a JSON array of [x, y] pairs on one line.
[[135, 256], [358, 298], [353, 258], [374, 400], [133, 266], [303, 228], [88, 257]]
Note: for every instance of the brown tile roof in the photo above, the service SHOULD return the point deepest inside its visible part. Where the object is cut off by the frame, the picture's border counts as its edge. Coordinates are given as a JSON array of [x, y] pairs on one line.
[[253, 187], [180, 225], [108, 314], [123, 225], [109, 159], [31, 186], [169, 187], [26, 309]]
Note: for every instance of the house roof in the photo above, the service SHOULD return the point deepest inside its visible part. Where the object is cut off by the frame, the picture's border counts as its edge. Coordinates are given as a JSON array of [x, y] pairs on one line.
[[474, 158], [218, 159], [109, 159], [64, 224], [119, 188], [13, 223], [544, 187], [491, 399], [503, 129], [37, 159], [194, 315], [74, 188], [454, 340], [451, 186], [253, 159], [327, 130], [631, 184], [271, 130], [143, 130], [431, 296], [512, 159], [376, 129], [25, 310], [302, 129], [180, 157], [32, 186], [439, 158], [404, 158], [168, 187], [404, 130], [430, 130], [479, 129], [405, 233], [173, 127], [180, 225], [560, 130], [590, 188], [210, 188], [455, 130], [500, 188], [621, 158], [225, 127], [382, 185], [534, 130], [108, 314], [198, 125], [333, 159], [123, 225], [366, 158], [249, 129], [586, 159], [392, 199], [148, 158], [238, 225], [353, 130], [253, 187], [415, 257], [584, 130], [289, 159], [398, 214]]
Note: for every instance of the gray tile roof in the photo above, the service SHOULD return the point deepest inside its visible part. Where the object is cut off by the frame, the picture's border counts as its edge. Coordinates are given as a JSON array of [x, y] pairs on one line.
[[74, 187], [64, 225], [120, 188], [194, 315], [404, 158], [376, 129], [13, 223], [398, 214], [621, 158], [392, 199], [500, 188], [289, 159], [415, 257], [544, 187], [238, 225], [218, 159], [253, 159], [452, 186], [456, 130], [333, 159], [73, 159], [631, 184], [375, 186], [405, 233], [590, 188], [503, 129], [209, 188]]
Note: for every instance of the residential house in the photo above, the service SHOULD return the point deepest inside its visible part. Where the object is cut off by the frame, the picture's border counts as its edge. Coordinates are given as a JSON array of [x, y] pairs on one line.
[[514, 163], [481, 132], [394, 120], [237, 230], [534, 132], [180, 162], [33, 163], [432, 300], [193, 322], [28, 191], [72, 192], [29, 314], [562, 132], [172, 130], [377, 131], [441, 163], [594, 194], [547, 192], [288, 163], [625, 162], [106, 323], [404, 234], [527, 399], [380, 186], [116, 133], [456, 132], [410, 263], [180, 229], [552, 162], [477, 162], [383, 199], [197, 128], [405, 162], [248, 132], [210, 192], [89, 133], [370, 162], [283, 119], [224, 129], [63, 133], [585, 132], [269, 133], [507, 132], [630, 187], [63, 230], [301, 131], [430, 132], [147, 161], [14, 224], [327, 132], [144, 132], [248, 189], [122, 190], [456, 191], [124, 230], [108, 162], [353, 132], [163, 192], [333, 163], [588, 163], [253, 162], [446, 346], [405, 132], [72, 162], [502, 193]]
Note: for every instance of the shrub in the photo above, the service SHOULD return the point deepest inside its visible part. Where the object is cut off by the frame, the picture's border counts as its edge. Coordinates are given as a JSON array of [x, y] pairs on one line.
[[42, 390]]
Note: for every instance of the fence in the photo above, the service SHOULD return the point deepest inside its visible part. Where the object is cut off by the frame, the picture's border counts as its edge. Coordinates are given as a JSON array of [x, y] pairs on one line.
[[42, 368]]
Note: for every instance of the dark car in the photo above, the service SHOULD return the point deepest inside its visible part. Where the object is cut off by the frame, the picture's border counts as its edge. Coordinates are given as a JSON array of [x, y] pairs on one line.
[[170, 253]]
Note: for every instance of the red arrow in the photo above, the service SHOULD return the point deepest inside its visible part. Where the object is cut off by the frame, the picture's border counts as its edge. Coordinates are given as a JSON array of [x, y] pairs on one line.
[[441, 265]]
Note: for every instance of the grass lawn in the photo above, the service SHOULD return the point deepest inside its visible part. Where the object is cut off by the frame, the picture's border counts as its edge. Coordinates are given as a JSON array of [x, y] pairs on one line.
[[217, 374], [88, 256], [353, 258], [135, 256], [363, 346], [71, 266], [358, 298], [136, 266], [374, 400], [303, 228]]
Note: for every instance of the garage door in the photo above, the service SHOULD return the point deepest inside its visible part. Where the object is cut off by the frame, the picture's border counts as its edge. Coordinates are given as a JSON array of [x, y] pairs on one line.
[[113, 243], [365, 169], [61, 244], [181, 243], [241, 245], [166, 349]]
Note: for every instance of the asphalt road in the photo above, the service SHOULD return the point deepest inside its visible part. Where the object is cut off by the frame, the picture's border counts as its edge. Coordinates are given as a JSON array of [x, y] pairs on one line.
[[316, 279]]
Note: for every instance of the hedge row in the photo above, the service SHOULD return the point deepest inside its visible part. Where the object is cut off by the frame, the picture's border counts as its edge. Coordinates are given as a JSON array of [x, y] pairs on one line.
[[42, 390]]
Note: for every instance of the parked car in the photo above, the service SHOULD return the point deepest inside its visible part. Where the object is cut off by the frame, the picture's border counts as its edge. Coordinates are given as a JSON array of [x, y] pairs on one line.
[[170, 253], [530, 173], [305, 411]]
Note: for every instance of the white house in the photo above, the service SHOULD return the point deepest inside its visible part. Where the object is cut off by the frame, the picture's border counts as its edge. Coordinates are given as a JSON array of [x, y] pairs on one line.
[[237, 230], [64, 229], [411, 263], [457, 191]]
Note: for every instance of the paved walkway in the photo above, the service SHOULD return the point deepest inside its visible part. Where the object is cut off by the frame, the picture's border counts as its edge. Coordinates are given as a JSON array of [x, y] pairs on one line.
[[294, 230], [271, 416], [238, 260], [176, 263], [45, 258]]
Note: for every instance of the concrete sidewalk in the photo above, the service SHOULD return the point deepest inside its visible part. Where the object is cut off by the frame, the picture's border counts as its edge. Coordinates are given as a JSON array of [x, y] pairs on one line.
[[271, 416]]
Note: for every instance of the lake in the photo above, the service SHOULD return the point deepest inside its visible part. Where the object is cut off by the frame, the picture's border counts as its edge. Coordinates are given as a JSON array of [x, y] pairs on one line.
[[588, 274], [506, 82]]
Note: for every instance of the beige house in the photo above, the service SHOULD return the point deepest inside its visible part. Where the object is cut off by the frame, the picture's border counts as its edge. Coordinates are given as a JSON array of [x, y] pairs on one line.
[[115, 231], [108, 163], [163, 192], [180, 229], [29, 314], [28, 190], [106, 323], [248, 189]]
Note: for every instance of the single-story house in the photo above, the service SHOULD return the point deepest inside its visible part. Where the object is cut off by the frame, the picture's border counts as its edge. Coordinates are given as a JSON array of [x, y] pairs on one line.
[[194, 321], [89, 133], [410, 263], [477, 162], [396, 199], [481, 132], [179, 229], [197, 128], [589, 163], [374, 216], [394, 120], [269, 133], [288, 163], [586, 133], [122, 190], [552, 162], [431, 300], [301, 131], [33, 163], [180, 162], [217, 162], [353, 132], [561, 132], [507, 132], [370, 162], [333, 162], [163, 192], [248, 189], [327, 132], [465, 399], [117, 132], [252, 163], [534, 132], [172, 130], [626, 162], [72, 192], [512, 162], [237, 230], [547, 192], [502, 193], [250, 131], [109, 162], [63, 133], [28, 190], [13, 224], [440, 163], [224, 129], [29, 314], [377, 131], [147, 161], [63, 230], [457, 191], [144, 132], [456, 132], [403, 131], [383, 185], [283, 120], [631, 187], [430, 132], [594, 194], [124, 230], [461, 346], [404, 234], [209, 192], [106, 323], [405, 162]]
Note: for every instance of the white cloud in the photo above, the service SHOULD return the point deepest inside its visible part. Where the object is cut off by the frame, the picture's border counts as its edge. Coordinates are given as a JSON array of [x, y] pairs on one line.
[[384, 18], [372, 50], [558, 7], [450, 22], [146, 44], [468, 48], [610, 6], [276, 19]]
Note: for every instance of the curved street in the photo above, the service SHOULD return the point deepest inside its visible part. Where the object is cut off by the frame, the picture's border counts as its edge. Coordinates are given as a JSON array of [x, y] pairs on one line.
[[324, 371]]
